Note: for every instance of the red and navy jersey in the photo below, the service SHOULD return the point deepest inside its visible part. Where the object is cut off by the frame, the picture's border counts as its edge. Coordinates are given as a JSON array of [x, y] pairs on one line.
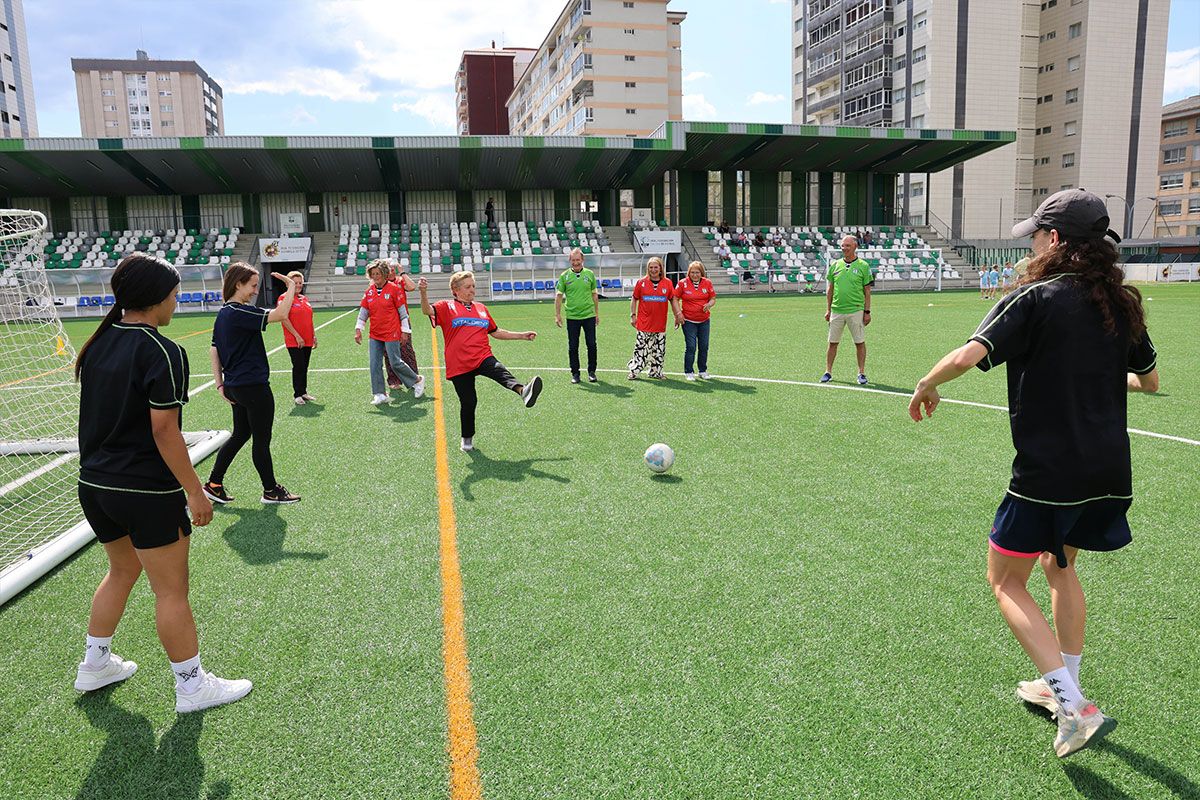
[[383, 311], [694, 297], [465, 330], [653, 299], [301, 318]]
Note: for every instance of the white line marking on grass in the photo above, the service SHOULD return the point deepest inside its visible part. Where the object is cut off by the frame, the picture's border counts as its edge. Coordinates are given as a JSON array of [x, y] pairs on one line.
[[210, 384]]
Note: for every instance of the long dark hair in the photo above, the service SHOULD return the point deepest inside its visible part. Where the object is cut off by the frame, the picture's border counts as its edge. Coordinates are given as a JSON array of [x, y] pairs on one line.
[[1094, 264], [139, 281]]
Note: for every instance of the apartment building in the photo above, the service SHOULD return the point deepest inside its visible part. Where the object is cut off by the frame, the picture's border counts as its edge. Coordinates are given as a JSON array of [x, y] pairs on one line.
[[606, 68], [1178, 197], [18, 117], [146, 97], [1031, 66], [482, 84]]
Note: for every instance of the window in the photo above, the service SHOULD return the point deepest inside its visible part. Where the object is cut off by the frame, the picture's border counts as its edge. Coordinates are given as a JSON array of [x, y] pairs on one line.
[[1170, 208], [107, 92], [1043, 161], [918, 89], [1069, 128], [1170, 180], [1068, 160], [167, 109], [631, 111], [901, 62], [1042, 192], [631, 31], [106, 76], [166, 123], [110, 108], [918, 55], [1075, 31], [112, 123], [899, 94], [880, 99], [920, 20], [827, 30], [1043, 131], [1073, 64], [1194, 205], [1175, 129], [918, 121], [133, 109], [631, 58], [867, 8], [899, 31], [633, 84], [1072, 97], [1196, 152], [7, 57], [1049, 4], [627, 4], [1066, 186], [1046, 37], [1175, 155], [1049, 98], [868, 72], [132, 92], [917, 190], [1046, 68]]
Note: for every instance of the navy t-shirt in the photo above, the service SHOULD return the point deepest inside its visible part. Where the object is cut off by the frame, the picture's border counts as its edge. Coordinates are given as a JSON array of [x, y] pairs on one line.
[[128, 371], [1067, 391], [237, 335]]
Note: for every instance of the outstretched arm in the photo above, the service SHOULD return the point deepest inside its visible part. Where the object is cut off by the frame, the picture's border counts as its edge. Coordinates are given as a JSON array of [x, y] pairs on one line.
[[953, 365], [500, 333]]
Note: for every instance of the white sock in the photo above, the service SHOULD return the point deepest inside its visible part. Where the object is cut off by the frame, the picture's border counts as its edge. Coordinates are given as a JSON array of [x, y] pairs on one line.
[[1072, 663], [97, 651], [188, 675], [1066, 691]]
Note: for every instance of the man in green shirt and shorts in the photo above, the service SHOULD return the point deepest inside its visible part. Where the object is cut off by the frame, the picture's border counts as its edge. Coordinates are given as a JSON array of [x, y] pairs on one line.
[[578, 286], [848, 304]]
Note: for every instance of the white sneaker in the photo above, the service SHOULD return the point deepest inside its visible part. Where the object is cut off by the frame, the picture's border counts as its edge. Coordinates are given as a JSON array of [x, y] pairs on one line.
[[1078, 729], [691, 376], [467, 444], [1037, 692], [300, 401], [703, 376], [379, 399], [213, 691], [115, 670], [418, 388], [308, 398]]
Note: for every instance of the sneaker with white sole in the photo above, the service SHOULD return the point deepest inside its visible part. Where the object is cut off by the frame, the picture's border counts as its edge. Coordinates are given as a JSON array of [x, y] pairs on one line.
[[1078, 729], [468, 444], [529, 394], [1037, 692], [300, 401], [418, 388], [826, 378], [862, 379], [116, 669], [279, 496], [216, 492], [691, 376], [379, 399], [213, 691], [632, 376], [308, 398], [703, 376]]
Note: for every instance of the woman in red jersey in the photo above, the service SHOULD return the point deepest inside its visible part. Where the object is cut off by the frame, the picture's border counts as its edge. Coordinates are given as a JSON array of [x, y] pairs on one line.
[[648, 316], [466, 326], [696, 297], [301, 339], [407, 354]]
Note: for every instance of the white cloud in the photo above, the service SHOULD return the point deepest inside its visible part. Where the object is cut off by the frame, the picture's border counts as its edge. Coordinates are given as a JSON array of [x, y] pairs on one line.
[[695, 76], [1182, 78], [435, 108], [695, 107], [306, 81], [301, 116], [762, 98]]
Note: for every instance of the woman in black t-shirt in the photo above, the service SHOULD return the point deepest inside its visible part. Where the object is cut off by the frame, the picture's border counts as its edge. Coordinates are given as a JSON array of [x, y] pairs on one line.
[[239, 362], [1075, 342], [136, 482]]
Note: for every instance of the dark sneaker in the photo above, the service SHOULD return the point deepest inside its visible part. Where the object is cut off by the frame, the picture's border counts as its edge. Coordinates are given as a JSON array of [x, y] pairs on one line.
[[216, 492], [279, 496], [574, 379], [591, 377], [529, 394], [826, 378], [862, 379]]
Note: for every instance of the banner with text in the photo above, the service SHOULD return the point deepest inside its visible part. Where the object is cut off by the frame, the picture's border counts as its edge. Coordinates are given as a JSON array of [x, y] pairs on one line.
[[659, 241], [291, 223], [271, 250]]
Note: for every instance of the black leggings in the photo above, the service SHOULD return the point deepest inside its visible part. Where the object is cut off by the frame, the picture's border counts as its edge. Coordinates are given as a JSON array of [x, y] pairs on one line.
[[300, 357], [464, 385], [253, 417]]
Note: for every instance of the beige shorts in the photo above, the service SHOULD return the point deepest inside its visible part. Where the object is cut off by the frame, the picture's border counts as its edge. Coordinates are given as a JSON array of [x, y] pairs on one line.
[[839, 321]]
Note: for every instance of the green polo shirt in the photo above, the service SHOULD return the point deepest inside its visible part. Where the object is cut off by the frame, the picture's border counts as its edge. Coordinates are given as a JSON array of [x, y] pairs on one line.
[[849, 282], [577, 288]]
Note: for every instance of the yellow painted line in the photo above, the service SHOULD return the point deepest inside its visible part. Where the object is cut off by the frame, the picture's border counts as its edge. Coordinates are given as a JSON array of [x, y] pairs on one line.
[[35, 377], [194, 333], [462, 745]]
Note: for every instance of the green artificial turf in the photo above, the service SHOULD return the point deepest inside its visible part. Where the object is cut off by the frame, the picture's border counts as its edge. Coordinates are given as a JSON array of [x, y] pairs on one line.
[[799, 609]]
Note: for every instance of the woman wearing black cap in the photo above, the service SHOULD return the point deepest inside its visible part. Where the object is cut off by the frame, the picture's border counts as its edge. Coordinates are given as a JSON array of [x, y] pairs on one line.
[[1075, 341], [136, 482]]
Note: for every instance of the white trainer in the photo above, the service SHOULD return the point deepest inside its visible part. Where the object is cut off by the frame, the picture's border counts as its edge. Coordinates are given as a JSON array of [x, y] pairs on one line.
[[1037, 692], [468, 444], [703, 376], [419, 387], [213, 691], [1078, 729], [115, 670], [691, 376], [300, 401], [308, 398], [379, 399]]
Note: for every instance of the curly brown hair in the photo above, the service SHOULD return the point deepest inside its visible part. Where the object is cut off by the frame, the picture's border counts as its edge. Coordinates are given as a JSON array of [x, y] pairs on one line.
[[1094, 265]]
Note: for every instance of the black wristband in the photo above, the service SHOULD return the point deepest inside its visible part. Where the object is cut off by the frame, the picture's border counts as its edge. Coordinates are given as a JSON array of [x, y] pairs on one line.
[[866, 311]]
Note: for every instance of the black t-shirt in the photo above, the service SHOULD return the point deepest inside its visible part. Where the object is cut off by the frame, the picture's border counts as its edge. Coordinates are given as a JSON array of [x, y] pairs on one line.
[[237, 335], [129, 370], [1067, 391]]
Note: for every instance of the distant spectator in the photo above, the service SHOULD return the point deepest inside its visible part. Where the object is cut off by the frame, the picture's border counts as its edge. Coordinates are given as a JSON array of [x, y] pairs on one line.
[[723, 228], [759, 240], [490, 212]]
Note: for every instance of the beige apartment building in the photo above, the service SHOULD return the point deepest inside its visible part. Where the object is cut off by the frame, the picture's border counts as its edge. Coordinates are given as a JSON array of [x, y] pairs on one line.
[[606, 68], [1179, 170], [1078, 80], [121, 98], [18, 116]]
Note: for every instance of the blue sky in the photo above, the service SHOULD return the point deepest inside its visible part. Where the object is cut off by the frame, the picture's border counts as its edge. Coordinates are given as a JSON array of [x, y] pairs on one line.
[[359, 67]]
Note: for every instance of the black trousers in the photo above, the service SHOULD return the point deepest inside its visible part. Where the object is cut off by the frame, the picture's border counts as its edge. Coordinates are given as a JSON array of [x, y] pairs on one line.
[[253, 418], [588, 326], [300, 357], [464, 386]]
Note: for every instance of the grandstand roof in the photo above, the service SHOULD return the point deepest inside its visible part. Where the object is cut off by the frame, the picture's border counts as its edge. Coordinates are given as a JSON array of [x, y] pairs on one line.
[[51, 167]]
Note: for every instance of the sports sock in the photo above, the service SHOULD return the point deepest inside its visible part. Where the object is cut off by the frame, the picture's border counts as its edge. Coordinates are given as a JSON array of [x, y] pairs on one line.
[[1066, 691], [188, 674], [1072, 663], [97, 651]]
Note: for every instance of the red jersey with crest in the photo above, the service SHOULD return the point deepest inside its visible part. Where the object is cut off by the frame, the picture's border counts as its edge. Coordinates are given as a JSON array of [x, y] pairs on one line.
[[694, 297], [653, 299], [465, 330], [383, 312], [301, 318]]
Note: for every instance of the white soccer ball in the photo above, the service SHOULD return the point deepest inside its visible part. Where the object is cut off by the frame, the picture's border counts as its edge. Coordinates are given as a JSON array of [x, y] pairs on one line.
[[659, 457]]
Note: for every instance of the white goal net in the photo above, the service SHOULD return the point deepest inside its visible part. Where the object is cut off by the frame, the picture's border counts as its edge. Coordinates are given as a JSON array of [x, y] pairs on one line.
[[40, 519]]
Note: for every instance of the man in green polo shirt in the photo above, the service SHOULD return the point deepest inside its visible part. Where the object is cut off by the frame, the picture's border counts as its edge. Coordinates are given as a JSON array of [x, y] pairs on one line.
[[848, 303], [578, 286]]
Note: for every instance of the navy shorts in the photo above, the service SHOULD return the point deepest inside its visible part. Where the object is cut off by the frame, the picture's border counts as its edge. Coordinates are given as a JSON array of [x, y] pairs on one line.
[[1026, 529], [149, 520]]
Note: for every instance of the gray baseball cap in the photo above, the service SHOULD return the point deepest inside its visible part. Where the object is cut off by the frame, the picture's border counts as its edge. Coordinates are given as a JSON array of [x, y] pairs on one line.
[[1076, 214]]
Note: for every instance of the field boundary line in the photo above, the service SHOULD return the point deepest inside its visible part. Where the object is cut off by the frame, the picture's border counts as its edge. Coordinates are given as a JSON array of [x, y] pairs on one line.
[[462, 743]]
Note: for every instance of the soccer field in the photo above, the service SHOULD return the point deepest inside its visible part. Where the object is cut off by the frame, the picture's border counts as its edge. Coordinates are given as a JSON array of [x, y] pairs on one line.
[[799, 609]]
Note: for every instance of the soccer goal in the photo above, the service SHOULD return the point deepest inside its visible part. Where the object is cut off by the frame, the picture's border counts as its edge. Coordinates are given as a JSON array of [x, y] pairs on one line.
[[41, 523]]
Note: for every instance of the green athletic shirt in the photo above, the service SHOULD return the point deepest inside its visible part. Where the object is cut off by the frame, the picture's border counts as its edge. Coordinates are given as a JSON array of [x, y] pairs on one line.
[[577, 288], [849, 282]]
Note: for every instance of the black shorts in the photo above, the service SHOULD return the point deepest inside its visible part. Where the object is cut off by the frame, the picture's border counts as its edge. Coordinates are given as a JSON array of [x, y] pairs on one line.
[[1026, 529], [149, 520]]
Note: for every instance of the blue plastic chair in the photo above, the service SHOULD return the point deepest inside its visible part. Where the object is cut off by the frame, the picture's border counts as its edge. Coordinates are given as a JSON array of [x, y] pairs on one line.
[[83, 302], [184, 297], [97, 300], [528, 286], [497, 286], [539, 286], [506, 286], [109, 300], [210, 297]]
